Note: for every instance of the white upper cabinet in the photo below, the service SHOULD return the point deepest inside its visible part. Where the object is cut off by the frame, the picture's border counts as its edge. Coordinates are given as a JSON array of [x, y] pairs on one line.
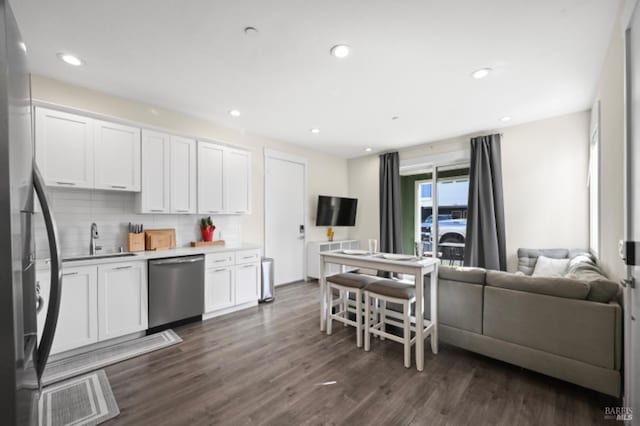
[[156, 166], [210, 178], [183, 175], [64, 148], [117, 156], [237, 180]]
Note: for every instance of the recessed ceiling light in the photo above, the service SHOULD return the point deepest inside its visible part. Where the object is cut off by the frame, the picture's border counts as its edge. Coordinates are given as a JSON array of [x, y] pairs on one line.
[[505, 119], [481, 73], [70, 59], [368, 149], [340, 50], [251, 31], [315, 131], [234, 113]]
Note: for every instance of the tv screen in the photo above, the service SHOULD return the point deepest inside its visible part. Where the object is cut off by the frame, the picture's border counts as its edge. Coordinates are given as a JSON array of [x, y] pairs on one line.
[[336, 211]]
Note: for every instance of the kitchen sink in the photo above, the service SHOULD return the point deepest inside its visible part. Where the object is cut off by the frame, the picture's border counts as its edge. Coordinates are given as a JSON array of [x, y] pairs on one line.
[[98, 256]]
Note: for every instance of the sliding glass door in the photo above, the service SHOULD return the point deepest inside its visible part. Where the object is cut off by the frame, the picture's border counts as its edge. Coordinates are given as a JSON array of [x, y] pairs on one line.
[[440, 218]]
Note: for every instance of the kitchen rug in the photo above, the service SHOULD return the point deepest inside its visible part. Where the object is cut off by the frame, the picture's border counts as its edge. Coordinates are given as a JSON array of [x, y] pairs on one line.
[[83, 363], [83, 400]]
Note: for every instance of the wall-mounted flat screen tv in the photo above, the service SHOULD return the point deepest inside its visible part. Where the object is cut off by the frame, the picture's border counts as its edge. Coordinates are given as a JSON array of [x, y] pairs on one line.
[[336, 211]]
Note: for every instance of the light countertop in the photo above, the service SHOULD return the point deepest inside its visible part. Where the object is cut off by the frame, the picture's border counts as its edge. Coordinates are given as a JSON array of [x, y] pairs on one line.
[[147, 255]]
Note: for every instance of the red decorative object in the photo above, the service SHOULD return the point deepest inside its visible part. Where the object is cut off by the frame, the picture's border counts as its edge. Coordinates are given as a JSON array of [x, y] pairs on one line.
[[207, 233]]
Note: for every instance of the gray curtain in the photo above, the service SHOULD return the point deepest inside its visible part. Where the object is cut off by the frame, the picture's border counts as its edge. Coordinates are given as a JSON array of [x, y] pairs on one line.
[[485, 239], [390, 210]]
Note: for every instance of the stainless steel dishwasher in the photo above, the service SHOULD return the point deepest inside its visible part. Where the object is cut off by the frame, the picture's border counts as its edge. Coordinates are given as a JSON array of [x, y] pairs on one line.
[[176, 289]]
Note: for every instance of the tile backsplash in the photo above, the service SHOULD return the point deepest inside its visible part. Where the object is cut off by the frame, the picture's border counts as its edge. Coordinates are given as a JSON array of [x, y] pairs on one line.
[[75, 209]]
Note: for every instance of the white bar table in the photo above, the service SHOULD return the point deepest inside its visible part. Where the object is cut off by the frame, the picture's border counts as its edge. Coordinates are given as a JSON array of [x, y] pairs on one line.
[[418, 268]]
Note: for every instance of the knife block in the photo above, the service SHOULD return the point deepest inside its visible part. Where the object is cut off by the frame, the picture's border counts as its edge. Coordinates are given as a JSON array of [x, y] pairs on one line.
[[136, 242]]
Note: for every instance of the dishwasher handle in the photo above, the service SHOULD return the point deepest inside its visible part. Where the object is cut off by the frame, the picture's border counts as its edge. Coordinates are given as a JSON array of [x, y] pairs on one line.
[[178, 261]]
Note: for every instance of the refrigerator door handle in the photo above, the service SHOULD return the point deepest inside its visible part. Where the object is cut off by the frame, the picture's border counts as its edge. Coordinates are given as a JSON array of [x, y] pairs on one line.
[[44, 348]]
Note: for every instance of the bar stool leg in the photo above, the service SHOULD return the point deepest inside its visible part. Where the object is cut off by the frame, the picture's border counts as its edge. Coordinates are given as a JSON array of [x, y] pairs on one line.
[[359, 318], [345, 305], [330, 312], [383, 315], [367, 322], [407, 334]]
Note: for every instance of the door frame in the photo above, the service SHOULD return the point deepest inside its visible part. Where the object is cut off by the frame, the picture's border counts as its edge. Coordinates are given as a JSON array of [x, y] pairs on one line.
[[283, 156]]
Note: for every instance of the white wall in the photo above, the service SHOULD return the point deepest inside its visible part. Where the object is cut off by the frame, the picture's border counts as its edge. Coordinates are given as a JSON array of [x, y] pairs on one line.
[[545, 183], [326, 174], [610, 93]]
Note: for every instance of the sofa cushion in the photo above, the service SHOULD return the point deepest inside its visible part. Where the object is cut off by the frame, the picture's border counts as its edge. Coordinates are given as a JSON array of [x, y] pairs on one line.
[[576, 329], [548, 267], [462, 274], [459, 304], [602, 289], [527, 257], [559, 287]]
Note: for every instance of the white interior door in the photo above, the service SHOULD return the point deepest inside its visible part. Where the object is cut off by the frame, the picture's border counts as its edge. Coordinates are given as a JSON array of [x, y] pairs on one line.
[[285, 219], [632, 222]]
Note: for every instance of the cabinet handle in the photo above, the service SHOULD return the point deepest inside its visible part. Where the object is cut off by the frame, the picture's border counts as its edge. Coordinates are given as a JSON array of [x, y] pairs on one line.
[[221, 260], [123, 267], [240, 211], [220, 270], [182, 211], [248, 257], [157, 210], [248, 266], [119, 186], [67, 274], [214, 211], [66, 183]]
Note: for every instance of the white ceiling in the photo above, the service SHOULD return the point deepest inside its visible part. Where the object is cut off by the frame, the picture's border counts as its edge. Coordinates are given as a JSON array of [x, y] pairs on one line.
[[411, 59]]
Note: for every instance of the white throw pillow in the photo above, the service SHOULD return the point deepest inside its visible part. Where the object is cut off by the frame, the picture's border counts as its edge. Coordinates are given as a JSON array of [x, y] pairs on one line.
[[548, 267]]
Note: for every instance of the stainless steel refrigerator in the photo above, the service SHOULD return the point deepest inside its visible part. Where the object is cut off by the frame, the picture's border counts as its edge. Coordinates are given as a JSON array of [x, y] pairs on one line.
[[22, 357]]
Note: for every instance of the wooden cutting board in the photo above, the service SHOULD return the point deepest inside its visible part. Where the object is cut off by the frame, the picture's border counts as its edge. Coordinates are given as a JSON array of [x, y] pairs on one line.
[[207, 243], [160, 239]]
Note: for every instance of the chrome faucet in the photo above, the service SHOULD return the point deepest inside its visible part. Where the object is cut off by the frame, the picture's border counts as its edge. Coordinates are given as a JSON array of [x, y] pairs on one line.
[[94, 237]]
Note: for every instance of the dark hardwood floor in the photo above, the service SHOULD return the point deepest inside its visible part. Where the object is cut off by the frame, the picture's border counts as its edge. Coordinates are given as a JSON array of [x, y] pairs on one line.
[[271, 365]]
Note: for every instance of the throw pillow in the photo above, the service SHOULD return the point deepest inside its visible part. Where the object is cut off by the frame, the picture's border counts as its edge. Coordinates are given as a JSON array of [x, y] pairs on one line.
[[547, 267]]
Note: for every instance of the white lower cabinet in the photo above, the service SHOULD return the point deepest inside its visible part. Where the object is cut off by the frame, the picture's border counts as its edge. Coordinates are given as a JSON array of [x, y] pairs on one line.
[[231, 281], [122, 299], [247, 278], [78, 318], [219, 286], [97, 303]]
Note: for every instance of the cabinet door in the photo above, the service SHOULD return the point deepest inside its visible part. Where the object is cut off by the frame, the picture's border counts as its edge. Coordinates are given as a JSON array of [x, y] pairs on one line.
[[218, 289], [78, 318], [117, 157], [247, 279], [64, 148], [237, 177], [122, 299], [210, 178], [156, 166], [183, 175]]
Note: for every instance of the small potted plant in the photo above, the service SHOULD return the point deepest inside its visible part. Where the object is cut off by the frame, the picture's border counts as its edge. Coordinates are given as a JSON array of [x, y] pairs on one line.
[[207, 227]]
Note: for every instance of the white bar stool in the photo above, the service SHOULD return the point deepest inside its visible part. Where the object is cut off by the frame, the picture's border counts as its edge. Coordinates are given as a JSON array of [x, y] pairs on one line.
[[392, 291], [345, 284]]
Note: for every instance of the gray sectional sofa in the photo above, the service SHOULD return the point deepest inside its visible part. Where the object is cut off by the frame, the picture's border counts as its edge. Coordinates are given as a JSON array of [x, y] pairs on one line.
[[568, 328]]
